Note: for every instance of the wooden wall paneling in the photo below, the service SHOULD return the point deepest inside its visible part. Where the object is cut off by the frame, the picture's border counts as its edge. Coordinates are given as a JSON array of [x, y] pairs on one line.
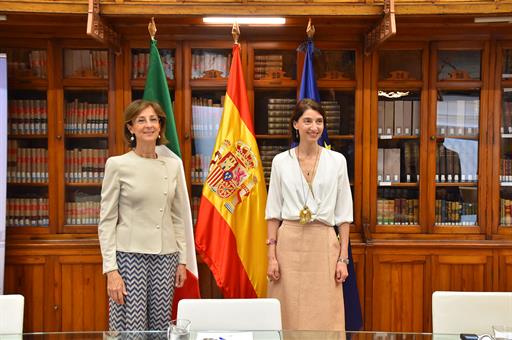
[[359, 258], [84, 301], [367, 212], [371, 106], [495, 138], [485, 148], [462, 270], [27, 275], [398, 288], [504, 271]]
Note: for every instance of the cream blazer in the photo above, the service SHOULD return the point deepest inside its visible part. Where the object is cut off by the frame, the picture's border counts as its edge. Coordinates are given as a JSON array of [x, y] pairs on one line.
[[141, 208]]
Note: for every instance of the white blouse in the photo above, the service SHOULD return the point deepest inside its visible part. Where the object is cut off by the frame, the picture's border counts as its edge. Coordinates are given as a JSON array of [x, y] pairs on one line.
[[331, 200]]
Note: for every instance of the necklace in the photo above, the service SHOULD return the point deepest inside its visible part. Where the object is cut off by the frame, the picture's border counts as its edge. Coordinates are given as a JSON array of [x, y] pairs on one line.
[[305, 214]]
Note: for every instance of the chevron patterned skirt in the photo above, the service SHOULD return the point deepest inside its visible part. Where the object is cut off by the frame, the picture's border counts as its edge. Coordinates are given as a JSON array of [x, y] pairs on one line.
[[149, 281]]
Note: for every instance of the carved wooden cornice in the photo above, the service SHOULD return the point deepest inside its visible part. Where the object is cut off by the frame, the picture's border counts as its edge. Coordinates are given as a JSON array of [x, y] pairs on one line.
[[99, 30], [384, 30]]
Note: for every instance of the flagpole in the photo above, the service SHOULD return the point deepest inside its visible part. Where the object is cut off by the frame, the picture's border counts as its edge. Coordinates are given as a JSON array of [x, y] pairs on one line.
[[310, 30], [152, 28], [235, 32]]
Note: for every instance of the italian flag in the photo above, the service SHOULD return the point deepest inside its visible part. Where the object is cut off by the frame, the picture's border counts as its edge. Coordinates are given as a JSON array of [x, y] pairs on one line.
[[156, 89]]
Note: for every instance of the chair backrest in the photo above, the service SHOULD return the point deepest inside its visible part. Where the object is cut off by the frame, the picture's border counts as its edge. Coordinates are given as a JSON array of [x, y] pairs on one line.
[[11, 314], [470, 312], [231, 314]]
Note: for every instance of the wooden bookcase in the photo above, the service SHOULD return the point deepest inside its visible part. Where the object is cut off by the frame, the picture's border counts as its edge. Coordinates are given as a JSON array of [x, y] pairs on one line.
[[421, 252]]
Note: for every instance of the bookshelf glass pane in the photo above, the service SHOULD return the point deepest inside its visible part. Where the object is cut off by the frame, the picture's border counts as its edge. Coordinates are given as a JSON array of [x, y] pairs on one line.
[[140, 62], [27, 206], [399, 113], [86, 112], [85, 63], [82, 206], [507, 64], [458, 65], [346, 148], [506, 206], [268, 149], [273, 110], [85, 160], [275, 64], [458, 113], [27, 161], [506, 112], [339, 107], [335, 65], [26, 63], [207, 109], [456, 206], [28, 112], [456, 161], [397, 206], [398, 161], [210, 63], [400, 65]]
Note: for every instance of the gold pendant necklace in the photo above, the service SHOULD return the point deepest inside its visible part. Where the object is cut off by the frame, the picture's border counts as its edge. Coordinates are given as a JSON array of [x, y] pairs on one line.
[[305, 215]]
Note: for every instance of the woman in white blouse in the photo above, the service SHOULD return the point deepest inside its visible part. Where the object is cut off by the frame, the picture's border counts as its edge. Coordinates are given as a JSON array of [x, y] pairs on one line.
[[309, 193]]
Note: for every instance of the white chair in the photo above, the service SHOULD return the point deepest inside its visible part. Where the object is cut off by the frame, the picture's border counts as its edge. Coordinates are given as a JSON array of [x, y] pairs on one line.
[[231, 314], [470, 312], [11, 314]]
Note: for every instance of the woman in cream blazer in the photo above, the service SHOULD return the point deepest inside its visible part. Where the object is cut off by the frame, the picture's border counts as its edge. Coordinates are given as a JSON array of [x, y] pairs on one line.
[[141, 230]]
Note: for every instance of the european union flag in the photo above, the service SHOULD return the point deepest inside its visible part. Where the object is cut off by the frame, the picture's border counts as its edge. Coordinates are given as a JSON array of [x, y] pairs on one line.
[[308, 89]]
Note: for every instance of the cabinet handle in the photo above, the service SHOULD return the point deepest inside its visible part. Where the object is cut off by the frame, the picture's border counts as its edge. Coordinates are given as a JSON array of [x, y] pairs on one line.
[[187, 136], [59, 137], [55, 307], [432, 137]]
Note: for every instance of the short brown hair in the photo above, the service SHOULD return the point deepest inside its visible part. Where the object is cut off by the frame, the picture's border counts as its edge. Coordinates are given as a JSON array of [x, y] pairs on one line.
[[302, 106], [134, 109]]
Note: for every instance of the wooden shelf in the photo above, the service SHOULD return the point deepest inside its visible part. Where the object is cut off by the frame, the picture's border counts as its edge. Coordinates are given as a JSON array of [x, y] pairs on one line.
[[27, 136], [83, 185], [139, 83], [91, 83], [28, 184], [456, 184], [86, 135]]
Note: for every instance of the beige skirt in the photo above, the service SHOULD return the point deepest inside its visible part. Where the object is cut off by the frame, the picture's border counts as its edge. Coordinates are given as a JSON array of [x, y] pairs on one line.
[[310, 297]]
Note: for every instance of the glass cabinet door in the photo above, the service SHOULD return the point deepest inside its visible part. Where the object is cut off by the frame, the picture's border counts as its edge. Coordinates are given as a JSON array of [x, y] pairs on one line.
[[505, 170], [456, 140], [398, 130]]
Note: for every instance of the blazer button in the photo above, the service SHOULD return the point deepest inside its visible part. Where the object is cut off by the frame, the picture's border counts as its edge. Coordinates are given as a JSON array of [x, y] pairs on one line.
[[157, 226], [161, 209], [165, 177], [165, 193]]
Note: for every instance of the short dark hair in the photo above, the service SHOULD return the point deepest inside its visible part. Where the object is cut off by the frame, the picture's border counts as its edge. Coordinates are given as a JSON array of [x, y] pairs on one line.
[[134, 109], [302, 106]]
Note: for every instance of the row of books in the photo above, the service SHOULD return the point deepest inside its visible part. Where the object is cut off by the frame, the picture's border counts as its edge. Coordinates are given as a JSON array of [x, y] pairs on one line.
[[204, 62], [199, 167], [84, 117], [26, 165], [80, 213], [398, 164], [27, 212], [85, 63], [140, 63], [448, 167], [506, 120], [507, 64], [398, 118], [458, 117], [206, 120], [27, 63], [85, 165], [264, 65], [267, 154], [28, 116], [505, 212], [506, 170], [397, 211], [455, 213]]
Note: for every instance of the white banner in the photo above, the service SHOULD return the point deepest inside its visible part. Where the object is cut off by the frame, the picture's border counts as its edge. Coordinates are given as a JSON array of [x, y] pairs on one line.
[[3, 162]]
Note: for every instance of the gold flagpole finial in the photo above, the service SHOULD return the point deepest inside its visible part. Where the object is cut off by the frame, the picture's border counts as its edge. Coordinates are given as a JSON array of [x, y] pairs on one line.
[[152, 28], [235, 32], [310, 30]]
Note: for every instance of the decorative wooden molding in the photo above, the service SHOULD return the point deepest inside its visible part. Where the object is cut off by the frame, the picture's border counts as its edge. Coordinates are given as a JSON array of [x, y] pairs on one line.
[[384, 30], [100, 31]]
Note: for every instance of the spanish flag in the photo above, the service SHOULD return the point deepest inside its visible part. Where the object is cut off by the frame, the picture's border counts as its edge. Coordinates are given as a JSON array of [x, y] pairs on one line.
[[231, 226]]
